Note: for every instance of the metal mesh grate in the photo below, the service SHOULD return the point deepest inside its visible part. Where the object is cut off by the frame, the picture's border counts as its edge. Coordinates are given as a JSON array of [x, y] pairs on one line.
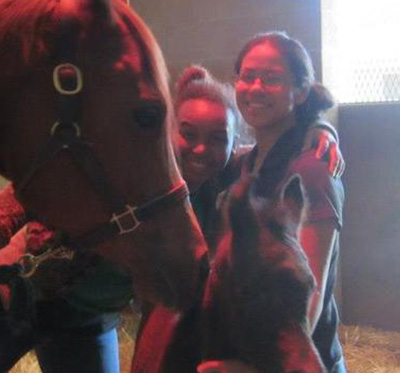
[[361, 56], [375, 81]]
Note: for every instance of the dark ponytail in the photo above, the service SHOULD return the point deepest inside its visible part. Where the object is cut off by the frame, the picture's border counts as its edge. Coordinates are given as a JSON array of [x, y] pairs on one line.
[[318, 101]]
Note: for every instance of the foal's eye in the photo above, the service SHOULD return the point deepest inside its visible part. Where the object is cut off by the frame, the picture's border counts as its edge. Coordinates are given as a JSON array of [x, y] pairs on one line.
[[149, 114]]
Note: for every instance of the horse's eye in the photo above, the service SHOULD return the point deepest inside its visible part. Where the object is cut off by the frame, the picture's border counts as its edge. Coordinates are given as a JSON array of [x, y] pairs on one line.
[[149, 114]]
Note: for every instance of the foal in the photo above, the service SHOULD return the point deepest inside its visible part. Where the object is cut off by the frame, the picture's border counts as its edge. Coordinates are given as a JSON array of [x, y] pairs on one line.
[[256, 298]]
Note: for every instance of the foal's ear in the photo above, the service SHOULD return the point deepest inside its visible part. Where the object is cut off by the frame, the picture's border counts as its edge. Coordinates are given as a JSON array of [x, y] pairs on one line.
[[241, 188], [293, 197]]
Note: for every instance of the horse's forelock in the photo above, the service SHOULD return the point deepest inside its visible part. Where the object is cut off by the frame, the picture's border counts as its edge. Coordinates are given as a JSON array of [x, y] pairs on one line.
[[23, 26], [99, 8], [27, 29]]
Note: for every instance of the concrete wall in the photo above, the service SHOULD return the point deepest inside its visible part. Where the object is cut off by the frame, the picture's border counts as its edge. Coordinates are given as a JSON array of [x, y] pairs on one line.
[[211, 32], [370, 137]]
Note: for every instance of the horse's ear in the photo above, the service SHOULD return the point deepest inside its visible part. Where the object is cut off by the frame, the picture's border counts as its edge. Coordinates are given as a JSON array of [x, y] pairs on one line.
[[248, 212], [293, 197], [242, 187]]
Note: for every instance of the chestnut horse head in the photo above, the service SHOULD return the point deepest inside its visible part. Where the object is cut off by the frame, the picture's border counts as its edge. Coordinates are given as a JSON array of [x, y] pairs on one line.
[[85, 139]]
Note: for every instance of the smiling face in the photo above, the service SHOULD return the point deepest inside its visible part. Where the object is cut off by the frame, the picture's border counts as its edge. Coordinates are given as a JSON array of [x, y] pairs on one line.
[[265, 93], [205, 139]]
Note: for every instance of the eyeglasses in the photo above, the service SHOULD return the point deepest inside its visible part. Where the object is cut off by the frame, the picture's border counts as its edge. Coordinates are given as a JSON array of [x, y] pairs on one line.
[[268, 79]]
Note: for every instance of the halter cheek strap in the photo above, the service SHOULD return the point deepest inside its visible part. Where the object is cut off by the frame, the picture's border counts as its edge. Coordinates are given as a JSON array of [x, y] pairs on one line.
[[66, 136]]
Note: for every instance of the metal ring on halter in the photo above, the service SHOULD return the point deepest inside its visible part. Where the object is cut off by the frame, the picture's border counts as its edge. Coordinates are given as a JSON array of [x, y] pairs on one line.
[[57, 82], [28, 265], [75, 126]]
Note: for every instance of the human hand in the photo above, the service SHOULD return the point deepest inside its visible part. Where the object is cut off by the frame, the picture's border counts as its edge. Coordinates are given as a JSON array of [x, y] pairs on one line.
[[326, 148], [12, 214]]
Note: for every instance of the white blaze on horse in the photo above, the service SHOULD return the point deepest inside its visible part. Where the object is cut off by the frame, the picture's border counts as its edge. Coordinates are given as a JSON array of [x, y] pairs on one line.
[[85, 122]]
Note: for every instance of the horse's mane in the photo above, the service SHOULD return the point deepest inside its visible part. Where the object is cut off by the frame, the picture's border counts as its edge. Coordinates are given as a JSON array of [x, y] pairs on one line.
[[25, 26]]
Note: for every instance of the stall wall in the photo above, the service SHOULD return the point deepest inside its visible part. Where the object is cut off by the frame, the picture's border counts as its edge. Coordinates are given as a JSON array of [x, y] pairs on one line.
[[212, 32], [371, 236]]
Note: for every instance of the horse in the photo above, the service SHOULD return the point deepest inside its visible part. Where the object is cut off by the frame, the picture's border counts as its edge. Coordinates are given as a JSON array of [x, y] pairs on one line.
[[252, 317], [254, 309], [85, 139]]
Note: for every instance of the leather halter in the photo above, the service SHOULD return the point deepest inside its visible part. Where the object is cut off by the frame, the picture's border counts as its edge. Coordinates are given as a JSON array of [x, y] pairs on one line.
[[66, 136]]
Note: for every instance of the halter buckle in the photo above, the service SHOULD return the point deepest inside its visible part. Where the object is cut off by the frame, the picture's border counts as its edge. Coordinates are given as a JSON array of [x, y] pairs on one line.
[[76, 74], [126, 221]]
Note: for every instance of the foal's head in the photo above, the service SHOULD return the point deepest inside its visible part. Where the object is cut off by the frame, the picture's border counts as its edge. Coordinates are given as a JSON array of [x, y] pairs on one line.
[[266, 248], [256, 299], [122, 116]]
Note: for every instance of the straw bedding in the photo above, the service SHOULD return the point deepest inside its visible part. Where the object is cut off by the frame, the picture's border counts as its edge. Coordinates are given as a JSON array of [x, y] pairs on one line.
[[367, 350]]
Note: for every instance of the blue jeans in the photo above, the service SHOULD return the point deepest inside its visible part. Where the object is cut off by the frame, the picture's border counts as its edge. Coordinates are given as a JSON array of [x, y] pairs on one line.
[[80, 353], [339, 367]]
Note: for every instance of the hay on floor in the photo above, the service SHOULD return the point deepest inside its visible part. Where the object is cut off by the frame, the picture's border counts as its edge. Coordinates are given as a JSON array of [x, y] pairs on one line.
[[367, 350]]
